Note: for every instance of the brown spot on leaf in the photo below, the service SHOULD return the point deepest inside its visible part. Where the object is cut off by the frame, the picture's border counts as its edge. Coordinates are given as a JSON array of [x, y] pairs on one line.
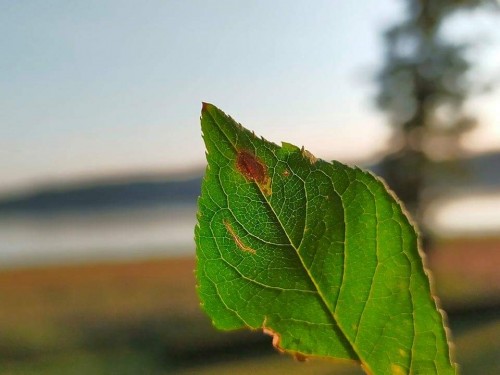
[[397, 370], [251, 167], [312, 159], [276, 343], [286, 173], [236, 239], [254, 170], [276, 337], [300, 357]]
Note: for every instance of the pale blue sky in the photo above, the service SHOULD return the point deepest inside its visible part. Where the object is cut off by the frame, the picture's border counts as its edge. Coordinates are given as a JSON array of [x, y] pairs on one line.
[[91, 88]]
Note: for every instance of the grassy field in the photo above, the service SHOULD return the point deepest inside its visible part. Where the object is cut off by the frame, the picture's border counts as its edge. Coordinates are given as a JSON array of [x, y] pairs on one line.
[[143, 317]]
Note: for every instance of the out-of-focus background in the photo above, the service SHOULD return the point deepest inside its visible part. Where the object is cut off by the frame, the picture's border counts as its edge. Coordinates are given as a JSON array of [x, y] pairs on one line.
[[101, 160]]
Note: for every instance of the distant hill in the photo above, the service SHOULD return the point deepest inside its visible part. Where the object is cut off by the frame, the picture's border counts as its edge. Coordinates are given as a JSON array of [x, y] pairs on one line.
[[106, 195], [480, 172]]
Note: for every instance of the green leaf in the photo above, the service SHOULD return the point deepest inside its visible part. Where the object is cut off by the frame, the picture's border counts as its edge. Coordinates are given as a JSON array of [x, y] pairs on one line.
[[320, 255]]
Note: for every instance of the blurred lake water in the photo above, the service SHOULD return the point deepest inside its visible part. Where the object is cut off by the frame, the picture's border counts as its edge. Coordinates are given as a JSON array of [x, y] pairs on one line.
[[166, 230], [471, 214], [98, 234]]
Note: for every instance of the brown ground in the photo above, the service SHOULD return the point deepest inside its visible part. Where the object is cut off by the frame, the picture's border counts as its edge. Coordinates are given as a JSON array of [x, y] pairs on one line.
[[464, 271], [467, 272], [60, 309], [108, 290]]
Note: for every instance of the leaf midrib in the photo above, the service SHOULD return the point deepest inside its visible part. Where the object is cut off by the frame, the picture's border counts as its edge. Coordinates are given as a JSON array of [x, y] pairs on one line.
[[322, 297]]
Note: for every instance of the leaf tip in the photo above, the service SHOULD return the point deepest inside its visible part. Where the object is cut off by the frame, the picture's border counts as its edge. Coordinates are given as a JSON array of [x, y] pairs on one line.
[[205, 106]]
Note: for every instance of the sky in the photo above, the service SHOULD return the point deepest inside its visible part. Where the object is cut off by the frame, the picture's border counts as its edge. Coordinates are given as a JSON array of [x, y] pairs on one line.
[[95, 88]]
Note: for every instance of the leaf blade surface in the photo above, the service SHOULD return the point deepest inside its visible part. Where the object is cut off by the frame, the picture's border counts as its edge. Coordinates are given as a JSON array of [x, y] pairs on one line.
[[319, 254]]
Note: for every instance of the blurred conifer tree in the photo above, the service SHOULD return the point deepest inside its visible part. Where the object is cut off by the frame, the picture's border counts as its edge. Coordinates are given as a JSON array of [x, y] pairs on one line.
[[422, 88]]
